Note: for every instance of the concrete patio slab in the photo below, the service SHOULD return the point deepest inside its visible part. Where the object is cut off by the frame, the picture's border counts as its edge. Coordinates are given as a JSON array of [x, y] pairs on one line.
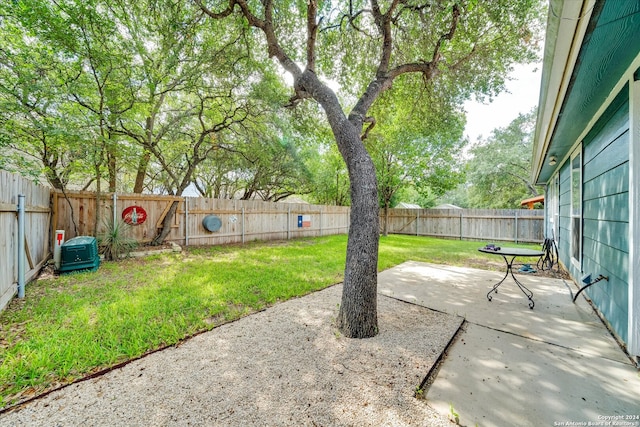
[[495, 379], [554, 365], [555, 319]]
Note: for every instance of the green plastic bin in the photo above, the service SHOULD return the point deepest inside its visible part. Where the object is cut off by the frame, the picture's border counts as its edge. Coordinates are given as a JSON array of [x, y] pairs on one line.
[[79, 253]]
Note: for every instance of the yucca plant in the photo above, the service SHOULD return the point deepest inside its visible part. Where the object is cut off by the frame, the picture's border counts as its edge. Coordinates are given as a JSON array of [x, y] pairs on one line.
[[114, 243]]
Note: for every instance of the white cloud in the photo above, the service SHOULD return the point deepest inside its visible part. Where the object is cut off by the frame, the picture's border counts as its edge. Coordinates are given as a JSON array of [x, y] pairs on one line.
[[522, 96]]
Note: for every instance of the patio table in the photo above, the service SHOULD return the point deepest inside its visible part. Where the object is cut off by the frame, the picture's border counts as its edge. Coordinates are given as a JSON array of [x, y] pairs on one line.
[[513, 253]]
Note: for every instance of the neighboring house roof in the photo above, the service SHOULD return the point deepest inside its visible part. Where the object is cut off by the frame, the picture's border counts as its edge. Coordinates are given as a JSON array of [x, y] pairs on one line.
[[403, 205], [531, 201], [446, 206], [578, 72]]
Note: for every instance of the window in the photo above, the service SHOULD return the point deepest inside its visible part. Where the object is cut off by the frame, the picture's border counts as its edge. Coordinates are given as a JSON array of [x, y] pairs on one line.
[[576, 209]]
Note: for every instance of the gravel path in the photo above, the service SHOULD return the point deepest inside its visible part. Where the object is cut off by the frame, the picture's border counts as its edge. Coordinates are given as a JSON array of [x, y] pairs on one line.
[[285, 366]]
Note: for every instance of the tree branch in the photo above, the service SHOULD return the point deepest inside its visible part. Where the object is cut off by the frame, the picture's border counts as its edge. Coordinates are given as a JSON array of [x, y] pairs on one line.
[[228, 11], [350, 17], [372, 123], [455, 11], [383, 22], [312, 31], [273, 45]]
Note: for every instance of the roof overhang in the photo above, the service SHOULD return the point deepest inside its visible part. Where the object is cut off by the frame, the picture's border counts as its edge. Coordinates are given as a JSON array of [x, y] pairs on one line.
[[590, 45], [566, 28]]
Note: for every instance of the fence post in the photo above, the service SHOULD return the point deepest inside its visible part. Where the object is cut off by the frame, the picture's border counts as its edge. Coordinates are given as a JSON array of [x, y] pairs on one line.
[[460, 226], [243, 225], [417, 222], [21, 238], [186, 222], [516, 227], [320, 222], [289, 223]]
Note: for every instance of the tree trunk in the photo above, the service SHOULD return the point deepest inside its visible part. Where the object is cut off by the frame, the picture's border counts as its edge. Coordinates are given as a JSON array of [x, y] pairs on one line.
[[166, 224], [51, 172], [358, 316], [96, 223], [142, 172]]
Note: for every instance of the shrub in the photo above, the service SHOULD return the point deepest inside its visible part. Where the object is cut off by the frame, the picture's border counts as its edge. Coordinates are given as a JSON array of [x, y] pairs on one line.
[[114, 243]]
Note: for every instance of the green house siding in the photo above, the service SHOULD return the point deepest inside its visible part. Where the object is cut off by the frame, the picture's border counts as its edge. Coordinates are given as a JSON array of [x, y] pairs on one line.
[[590, 96], [605, 245]]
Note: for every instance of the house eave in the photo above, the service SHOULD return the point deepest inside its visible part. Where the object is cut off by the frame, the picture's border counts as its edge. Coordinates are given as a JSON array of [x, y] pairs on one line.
[[568, 22]]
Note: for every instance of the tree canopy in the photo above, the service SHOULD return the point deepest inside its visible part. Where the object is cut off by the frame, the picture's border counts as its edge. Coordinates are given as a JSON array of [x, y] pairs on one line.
[[158, 94]]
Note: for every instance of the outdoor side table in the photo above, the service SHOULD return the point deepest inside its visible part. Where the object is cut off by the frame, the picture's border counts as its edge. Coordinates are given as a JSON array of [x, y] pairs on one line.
[[513, 253]]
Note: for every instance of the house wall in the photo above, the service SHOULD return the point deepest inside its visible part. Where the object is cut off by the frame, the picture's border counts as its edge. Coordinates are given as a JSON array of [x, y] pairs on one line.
[[590, 96], [606, 214]]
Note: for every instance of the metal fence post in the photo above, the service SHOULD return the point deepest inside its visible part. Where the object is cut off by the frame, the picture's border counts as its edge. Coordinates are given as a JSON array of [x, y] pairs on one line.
[[21, 246]]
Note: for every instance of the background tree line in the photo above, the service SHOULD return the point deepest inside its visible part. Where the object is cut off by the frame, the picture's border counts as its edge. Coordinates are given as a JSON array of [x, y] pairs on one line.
[[143, 96], [148, 96]]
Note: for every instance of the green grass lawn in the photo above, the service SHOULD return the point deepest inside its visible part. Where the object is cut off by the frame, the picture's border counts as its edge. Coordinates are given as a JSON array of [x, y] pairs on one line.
[[72, 325]]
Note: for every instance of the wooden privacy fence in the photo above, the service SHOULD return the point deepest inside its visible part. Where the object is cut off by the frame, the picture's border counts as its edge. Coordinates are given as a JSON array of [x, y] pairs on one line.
[[87, 213], [240, 220], [244, 220], [513, 225], [36, 239]]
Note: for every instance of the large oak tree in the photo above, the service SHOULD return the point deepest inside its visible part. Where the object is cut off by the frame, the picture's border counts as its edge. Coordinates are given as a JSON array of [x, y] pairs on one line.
[[366, 46]]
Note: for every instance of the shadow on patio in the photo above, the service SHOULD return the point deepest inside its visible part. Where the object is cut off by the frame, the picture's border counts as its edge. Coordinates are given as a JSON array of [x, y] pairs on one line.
[[513, 365]]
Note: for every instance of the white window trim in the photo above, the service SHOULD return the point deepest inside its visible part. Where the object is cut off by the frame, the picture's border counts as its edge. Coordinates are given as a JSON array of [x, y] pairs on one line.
[[577, 263], [633, 326]]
